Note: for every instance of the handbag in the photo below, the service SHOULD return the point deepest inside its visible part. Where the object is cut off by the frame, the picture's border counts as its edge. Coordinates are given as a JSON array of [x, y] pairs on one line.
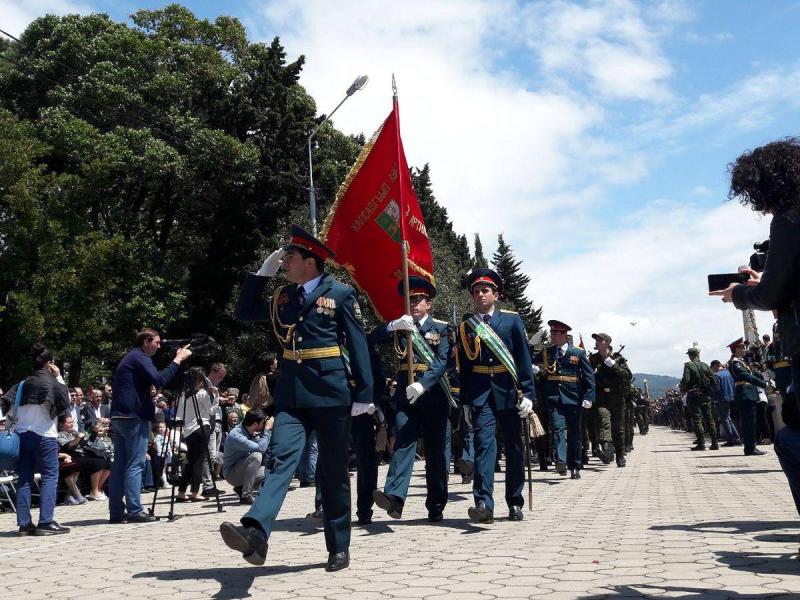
[[9, 440]]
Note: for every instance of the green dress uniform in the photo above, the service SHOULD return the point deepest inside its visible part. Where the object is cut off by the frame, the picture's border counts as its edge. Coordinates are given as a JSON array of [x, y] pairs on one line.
[[312, 391], [696, 384], [611, 389]]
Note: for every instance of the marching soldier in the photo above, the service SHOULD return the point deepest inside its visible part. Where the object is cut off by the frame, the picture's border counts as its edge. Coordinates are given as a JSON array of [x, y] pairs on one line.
[[568, 387], [424, 403], [745, 396], [612, 382], [497, 385], [698, 384], [311, 318]]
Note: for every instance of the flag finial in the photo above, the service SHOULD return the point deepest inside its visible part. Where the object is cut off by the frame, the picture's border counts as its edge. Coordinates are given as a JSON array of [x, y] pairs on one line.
[[394, 86]]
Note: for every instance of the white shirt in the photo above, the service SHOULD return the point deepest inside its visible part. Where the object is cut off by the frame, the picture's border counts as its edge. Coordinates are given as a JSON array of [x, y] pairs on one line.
[[310, 286], [490, 313], [421, 322], [36, 418], [190, 424]]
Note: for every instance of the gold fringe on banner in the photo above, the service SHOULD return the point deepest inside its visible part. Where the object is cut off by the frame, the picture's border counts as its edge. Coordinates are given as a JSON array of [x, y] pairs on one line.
[[362, 157]]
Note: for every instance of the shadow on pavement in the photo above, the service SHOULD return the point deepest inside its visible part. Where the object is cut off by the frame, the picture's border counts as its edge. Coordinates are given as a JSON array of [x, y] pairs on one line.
[[676, 592], [731, 527], [234, 582], [760, 562]]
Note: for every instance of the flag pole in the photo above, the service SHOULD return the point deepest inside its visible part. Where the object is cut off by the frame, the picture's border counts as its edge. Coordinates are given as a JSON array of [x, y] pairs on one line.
[[403, 243]]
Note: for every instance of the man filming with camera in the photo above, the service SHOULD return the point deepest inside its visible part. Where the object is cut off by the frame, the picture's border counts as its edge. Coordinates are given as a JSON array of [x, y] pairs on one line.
[[131, 414]]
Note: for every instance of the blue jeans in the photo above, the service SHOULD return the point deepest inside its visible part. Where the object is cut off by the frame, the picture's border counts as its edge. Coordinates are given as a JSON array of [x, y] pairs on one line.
[[130, 444], [307, 467], [37, 454], [787, 447], [728, 428]]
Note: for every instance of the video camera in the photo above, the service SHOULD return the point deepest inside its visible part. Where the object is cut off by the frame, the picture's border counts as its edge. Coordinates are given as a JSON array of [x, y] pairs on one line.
[[203, 346], [759, 259]]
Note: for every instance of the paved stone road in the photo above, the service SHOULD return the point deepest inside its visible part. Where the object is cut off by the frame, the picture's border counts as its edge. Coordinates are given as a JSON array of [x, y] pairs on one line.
[[673, 524]]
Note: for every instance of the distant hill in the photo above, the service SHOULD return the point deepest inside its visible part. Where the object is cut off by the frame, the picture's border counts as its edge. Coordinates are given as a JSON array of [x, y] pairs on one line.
[[657, 383]]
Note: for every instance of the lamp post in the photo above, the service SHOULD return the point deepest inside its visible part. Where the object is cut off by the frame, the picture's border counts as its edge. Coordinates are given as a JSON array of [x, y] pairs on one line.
[[359, 83]]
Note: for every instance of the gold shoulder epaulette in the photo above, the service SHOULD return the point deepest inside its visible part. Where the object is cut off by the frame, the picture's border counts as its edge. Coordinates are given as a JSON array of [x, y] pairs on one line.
[[513, 312]]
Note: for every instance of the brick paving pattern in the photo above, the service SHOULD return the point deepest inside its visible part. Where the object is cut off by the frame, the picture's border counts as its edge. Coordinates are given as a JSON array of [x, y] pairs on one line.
[[673, 524]]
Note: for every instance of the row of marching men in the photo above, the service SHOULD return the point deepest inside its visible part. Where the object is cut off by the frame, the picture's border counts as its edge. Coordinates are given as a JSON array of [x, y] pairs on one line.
[[326, 384]]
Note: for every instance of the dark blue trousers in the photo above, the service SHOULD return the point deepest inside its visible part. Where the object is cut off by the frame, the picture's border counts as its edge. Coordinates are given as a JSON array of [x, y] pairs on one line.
[[292, 425], [485, 420], [567, 433], [747, 414], [37, 454], [362, 429], [432, 414]]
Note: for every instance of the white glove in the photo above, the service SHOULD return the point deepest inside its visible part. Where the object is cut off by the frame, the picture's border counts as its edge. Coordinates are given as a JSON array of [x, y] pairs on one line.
[[468, 416], [272, 264], [404, 323], [586, 404], [414, 391], [536, 369], [362, 408], [609, 362], [524, 407]]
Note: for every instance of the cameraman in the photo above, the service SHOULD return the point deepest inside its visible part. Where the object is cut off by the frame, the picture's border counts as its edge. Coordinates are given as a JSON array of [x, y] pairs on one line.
[[131, 413], [768, 180], [245, 448]]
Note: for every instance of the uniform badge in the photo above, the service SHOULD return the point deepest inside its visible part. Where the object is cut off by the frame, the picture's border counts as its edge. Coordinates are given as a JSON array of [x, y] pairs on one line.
[[326, 306], [283, 298], [574, 360], [433, 338]]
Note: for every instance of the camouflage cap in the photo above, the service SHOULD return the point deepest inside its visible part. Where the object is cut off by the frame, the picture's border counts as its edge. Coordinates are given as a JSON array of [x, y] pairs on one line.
[[602, 336]]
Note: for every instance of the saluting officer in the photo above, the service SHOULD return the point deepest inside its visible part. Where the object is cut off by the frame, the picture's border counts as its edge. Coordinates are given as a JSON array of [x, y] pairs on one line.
[[612, 380], [492, 345], [568, 387], [745, 396], [311, 318], [425, 402]]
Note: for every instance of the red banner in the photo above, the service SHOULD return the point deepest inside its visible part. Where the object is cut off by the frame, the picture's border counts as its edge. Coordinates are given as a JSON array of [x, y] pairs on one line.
[[375, 209]]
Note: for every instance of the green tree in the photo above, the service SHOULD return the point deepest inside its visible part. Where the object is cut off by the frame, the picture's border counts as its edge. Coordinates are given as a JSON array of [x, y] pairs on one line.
[[479, 260], [515, 286]]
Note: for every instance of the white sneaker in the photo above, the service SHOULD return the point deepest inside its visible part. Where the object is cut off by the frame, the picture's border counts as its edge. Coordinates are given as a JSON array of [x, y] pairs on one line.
[[102, 496]]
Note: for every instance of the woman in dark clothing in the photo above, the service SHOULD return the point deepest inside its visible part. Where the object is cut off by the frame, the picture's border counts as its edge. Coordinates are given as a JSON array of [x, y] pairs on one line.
[[44, 396], [95, 468]]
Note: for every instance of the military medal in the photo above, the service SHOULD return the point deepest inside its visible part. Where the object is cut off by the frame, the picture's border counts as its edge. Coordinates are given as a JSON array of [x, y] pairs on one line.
[[320, 302]]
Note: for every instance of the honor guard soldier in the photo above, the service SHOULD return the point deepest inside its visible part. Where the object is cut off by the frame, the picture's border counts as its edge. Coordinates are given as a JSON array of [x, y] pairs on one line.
[[745, 396], [425, 403], [612, 378], [313, 318], [568, 387], [699, 384], [497, 384]]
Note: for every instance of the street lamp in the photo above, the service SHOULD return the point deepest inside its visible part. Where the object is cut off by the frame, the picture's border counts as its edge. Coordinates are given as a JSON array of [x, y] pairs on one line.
[[358, 84]]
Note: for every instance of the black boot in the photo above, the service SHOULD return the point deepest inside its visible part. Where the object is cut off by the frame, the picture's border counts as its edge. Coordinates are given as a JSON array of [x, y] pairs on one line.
[[620, 457]]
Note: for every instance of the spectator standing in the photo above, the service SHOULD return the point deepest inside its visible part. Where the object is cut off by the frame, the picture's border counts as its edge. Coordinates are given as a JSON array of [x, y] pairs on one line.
[[723, 397], [196, 431], [131, 414], [43, 397]]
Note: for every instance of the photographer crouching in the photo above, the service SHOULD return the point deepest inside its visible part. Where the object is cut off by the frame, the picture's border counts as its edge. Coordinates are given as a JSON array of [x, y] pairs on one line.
[[768, 180], [131, 414]]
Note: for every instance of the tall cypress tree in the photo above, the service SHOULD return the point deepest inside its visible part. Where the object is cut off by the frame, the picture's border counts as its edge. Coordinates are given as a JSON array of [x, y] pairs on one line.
[[515, 284], [479, 260]]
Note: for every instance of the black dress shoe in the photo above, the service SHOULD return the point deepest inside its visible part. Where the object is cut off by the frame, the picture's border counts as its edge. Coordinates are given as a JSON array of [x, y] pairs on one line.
[[307, 484], [714, 446], [117, 520], [543, 467], [246, 500], [29, 529], [338, 561], [561, 468], [51, 528], [755, 452], [515, 513], [466, 479], [364, 520], [481, 514], [210, 493], [250, 541], [698, 447], [238, 490], [435, 517], [318, 514], [575, 474], [142, 517], [391, 504], [466, 467], [621, 461]]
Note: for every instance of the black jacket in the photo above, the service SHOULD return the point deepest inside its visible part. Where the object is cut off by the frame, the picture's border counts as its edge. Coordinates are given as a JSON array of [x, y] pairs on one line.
[[779, 288], [40, 388]]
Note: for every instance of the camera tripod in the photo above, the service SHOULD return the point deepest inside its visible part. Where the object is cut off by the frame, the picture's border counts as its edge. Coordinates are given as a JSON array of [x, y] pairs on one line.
[[174, 469]]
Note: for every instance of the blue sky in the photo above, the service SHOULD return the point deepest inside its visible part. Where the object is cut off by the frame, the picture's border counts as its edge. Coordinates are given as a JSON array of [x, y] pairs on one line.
[[594, 135]]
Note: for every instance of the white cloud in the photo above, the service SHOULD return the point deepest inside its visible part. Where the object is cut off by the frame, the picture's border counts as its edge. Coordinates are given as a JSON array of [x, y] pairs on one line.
[[652, 271], [609, 43], [15, 16]]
